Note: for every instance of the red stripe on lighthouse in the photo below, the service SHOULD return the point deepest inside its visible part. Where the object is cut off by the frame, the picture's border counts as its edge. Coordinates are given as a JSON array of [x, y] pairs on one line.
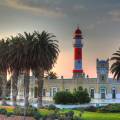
[[77, 71], [77, 53]]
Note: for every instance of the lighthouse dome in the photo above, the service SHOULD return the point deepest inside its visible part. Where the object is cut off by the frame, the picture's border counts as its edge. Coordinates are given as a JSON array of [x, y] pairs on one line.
[[78, 31]]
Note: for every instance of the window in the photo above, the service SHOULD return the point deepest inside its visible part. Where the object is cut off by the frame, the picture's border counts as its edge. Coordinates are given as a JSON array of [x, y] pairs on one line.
[[102, 91], [32, 91], [44, 92], [113, 93], [102, 78], [92, 92], [36, 92], [54, 91], [50, 91]]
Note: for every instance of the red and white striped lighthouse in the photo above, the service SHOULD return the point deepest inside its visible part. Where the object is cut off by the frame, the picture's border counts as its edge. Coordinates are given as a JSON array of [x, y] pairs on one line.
[[78, 71]]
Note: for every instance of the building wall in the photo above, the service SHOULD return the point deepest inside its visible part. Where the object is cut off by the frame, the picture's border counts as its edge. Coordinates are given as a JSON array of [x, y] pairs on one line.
[[88, 83], [51, 86]]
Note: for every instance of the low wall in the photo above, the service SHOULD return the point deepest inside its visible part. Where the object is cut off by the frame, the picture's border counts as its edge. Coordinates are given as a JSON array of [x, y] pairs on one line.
[[73, 106]]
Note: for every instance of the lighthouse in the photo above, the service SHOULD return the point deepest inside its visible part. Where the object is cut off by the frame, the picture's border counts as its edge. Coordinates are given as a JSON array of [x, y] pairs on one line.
[[78, 70]]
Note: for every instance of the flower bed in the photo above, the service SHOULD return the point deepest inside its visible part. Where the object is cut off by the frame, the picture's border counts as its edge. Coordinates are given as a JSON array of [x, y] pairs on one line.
[[3, 117]]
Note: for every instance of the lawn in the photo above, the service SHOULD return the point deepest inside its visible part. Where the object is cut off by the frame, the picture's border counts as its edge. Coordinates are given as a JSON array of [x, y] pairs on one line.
[[97, 116], [101, 116]]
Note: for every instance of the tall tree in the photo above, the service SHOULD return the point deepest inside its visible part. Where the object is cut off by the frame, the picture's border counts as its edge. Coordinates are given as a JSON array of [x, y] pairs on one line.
[[28, 39], [14, 67], [44, 52], [20, 61], [15, 63], [115, 67], [4, 66]]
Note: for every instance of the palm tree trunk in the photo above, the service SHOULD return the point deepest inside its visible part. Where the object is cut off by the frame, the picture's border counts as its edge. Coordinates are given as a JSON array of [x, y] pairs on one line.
[[14, 87], [4, 89], [26, 88], [40, 88]]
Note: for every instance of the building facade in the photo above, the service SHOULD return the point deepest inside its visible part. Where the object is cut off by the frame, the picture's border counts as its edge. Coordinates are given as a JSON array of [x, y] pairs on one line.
[[102, 90]]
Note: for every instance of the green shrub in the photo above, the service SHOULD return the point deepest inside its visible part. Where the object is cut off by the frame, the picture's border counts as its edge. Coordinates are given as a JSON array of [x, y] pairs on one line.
[[63, 97], [79, 95], [9, 114], [52, 116], [37, 115], [70, 113], [29, 111], [51, 107], [3, 111], [91, 109], [113, 108], [19, 111], [77, 118]]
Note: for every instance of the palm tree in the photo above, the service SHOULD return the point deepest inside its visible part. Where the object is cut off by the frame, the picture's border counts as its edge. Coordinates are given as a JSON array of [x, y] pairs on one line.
[[44, 52], [36, 52], [51, 75], [19, 61], [115, 67], [4, 67], [26, 62], [14, 57], [14, 49]]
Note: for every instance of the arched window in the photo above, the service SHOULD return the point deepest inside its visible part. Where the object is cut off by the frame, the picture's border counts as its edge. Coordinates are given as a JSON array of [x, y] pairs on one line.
[[92, 92], [113, 93]]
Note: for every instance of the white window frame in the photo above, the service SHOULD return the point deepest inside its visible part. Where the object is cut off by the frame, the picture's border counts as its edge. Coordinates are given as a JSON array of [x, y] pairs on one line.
[[103, 92], [56, 90]]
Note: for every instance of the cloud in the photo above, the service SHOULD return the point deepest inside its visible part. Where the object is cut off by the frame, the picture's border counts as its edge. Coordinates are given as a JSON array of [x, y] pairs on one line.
[[115, 15], [96, 23], [78, 7], [108, 17], [37, 6], [47, 7]]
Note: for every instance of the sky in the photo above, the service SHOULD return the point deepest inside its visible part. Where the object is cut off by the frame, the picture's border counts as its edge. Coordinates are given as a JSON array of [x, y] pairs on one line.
[[99, 21]]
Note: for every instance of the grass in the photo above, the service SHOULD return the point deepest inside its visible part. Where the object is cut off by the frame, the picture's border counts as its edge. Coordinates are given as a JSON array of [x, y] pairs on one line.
[[101, 116], [44, 112]]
